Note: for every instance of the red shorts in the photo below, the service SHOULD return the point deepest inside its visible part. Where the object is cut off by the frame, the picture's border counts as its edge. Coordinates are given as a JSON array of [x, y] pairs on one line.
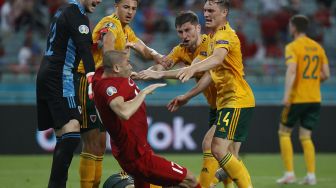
[[153, 169]]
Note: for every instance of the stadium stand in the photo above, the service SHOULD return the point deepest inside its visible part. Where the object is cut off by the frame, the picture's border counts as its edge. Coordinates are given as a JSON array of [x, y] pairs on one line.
[[264, 63]]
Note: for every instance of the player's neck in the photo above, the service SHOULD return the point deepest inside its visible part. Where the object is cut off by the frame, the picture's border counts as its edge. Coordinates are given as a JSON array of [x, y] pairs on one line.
[[299, 35], [223, 24], [109, 74]]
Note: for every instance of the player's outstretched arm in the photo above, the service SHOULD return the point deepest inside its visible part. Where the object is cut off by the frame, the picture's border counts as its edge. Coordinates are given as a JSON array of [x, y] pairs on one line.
[[145, 51], [125, 109], [181, 100], [212, 61]]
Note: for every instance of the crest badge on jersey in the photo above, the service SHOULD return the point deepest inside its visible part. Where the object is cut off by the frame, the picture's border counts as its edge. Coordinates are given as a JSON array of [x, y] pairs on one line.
[[130, 82], [84, 29], [93, 118], [111, 91], [110, 25]]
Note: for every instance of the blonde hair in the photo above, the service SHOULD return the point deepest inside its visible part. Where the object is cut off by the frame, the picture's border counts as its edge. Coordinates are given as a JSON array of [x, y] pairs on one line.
[[113, 57]]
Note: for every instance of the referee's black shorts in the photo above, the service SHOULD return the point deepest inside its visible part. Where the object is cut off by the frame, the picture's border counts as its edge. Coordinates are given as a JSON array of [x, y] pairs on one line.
[[55, 112]]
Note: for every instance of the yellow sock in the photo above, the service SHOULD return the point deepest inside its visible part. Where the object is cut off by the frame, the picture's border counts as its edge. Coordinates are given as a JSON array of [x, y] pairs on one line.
[[98, 172], [87, 169], [286, 150], [235, 170], [246, 171], [309, 153], [209, 168]]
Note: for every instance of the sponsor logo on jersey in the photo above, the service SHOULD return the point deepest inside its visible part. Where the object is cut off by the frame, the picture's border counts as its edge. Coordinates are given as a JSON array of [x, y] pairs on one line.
[[111, 91], [79, 109], [83, 29], [222, 42]]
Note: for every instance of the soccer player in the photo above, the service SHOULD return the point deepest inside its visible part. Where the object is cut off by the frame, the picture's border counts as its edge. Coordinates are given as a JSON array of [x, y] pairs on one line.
[[193, 48], [235, 101], [307, 67], [112, 32], [68, 42], [123, 112]]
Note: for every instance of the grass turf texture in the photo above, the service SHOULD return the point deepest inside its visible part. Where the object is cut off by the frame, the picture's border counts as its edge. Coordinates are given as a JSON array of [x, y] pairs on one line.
[[27, 171]]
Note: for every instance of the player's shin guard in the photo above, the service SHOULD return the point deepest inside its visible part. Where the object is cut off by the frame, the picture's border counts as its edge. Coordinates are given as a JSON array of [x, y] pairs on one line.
[[286, 150], [210, 165], [309, 153], [235, 170], [87, 168], [98, 172], [62, 158]]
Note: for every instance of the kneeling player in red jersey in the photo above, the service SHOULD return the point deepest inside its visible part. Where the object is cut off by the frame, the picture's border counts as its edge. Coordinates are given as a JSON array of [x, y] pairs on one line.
[[123, 113]]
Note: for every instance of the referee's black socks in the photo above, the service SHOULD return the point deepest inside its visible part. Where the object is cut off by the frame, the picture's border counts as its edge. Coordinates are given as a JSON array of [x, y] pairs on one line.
[[63, 153]]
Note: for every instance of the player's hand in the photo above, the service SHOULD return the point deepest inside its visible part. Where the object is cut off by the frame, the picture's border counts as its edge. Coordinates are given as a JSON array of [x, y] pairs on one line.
[[165, 61], [89, 77], [177, 102], [134, 76], [149, 89], [149, 74], [185, 74], [130, 45]]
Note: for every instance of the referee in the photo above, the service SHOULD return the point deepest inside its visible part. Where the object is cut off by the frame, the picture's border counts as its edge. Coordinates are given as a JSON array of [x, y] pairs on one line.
[[68, 42]]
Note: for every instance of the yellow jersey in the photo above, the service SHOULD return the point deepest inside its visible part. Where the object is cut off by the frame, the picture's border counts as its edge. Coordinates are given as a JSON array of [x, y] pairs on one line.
[[182, 54], [232, 89], [122, 36], [309, 57]]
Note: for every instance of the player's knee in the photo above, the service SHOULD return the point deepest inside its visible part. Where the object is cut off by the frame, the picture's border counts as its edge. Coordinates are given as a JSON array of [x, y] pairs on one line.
[[304, 133], [284, 129], [217, 151], [206, 144]]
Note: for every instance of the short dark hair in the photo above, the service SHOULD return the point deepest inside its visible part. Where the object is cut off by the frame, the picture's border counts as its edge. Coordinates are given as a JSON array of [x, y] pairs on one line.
[[118, 1], [222, 3], [186, 16], [300, 22]]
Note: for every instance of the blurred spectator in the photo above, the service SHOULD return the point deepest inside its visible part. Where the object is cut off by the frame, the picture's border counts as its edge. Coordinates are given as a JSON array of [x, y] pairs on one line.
[[322, 15], [2, 2], [269, 29], [28, 57], [6, 22], [29, 13], [53, 5], [248, 49], [161, 25], [269, 6]]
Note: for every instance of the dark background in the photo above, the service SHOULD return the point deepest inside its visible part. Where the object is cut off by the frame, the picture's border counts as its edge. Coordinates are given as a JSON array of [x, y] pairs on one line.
[[18, 130]]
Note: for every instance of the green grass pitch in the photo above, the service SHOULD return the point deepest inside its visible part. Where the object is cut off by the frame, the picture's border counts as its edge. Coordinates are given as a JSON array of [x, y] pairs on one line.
[[32, 171]]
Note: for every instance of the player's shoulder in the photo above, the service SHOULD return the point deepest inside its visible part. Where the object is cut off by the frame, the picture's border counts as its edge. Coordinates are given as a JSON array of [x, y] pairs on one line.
[[73, 10], [110, 21]]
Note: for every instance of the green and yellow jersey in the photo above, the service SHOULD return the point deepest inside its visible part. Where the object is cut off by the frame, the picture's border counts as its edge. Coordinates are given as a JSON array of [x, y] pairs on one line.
[[122, 36], [232, 89], [309, 57], [182, 54]]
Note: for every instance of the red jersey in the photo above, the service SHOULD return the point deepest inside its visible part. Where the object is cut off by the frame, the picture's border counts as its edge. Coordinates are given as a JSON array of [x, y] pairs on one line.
[[128, 137]]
